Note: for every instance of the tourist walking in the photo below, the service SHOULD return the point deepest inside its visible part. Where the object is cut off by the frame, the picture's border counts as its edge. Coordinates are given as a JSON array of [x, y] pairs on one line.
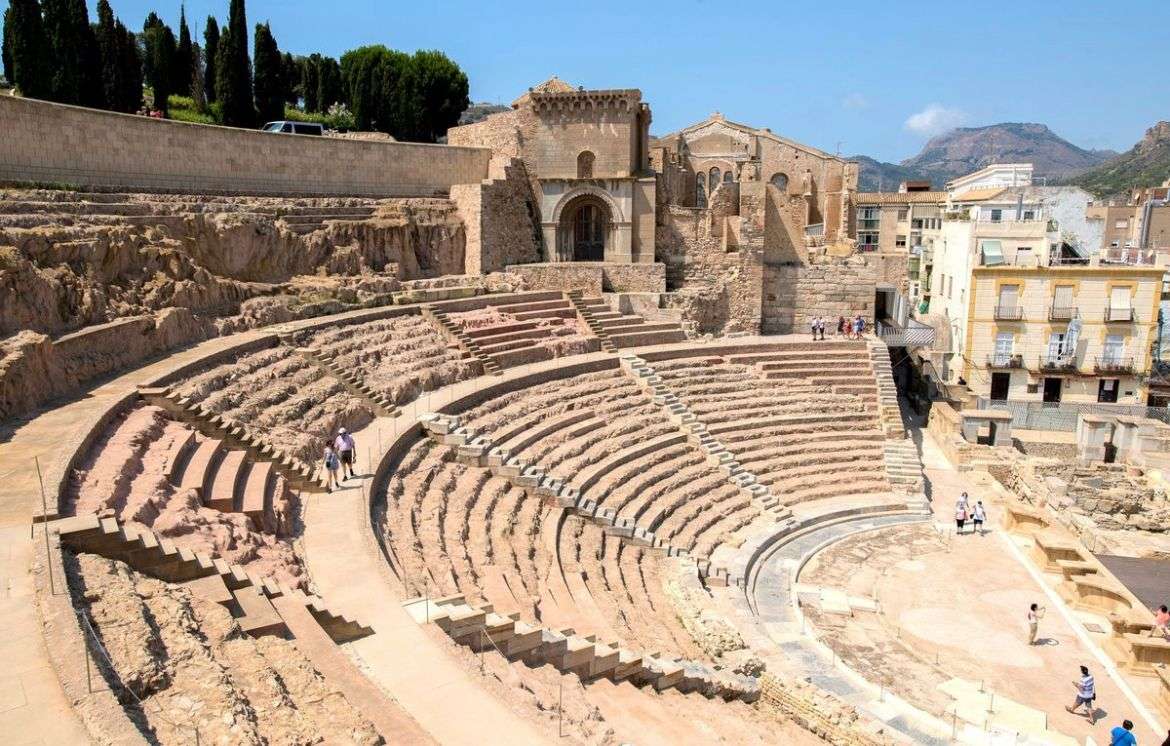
[[1034, 614], [1122, 735], [841, 325], [821, 326], [1086, 693], [347, 450], [960, 517], [332, 464], [978, 516], [858, 326], [1161, 622], [815, 321]]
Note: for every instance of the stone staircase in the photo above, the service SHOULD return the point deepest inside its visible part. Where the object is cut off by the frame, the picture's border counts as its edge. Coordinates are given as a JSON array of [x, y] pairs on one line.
[[465, 342], [903, 465], [377, 401], [296, 472], [891, 413], [481, 628], [592, 312], [478, 450], [696, 433], [247, 596]]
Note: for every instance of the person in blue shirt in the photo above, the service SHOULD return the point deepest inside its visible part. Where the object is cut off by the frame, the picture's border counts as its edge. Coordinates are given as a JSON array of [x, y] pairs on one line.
[[1122, 735]]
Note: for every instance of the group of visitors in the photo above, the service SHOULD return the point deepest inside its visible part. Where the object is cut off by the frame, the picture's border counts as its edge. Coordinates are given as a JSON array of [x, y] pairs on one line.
[[964, 512], [339, 457], [846, 328]]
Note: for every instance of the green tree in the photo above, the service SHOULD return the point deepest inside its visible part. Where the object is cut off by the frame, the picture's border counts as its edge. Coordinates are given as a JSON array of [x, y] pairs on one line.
[[329, 89], [183, 69], [290, 78], [266, 79], [433, 95], [233, 70], [6, 48], [27, 46], [210, 49], [159, 60], [130, 91], [111, 61], [74, 77], [310, 71], [371, 78]]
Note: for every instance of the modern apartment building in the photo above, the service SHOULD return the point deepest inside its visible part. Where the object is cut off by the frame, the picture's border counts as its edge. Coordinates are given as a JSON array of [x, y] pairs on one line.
[[1142, 223], [908, 221]]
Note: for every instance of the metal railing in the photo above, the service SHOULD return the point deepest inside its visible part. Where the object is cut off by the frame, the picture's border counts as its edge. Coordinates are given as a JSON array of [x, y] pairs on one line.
[[1120, 315], [1009, 313], [1003, 360], [1032, 415], [1138, 257], [1114, 364], [1057, 363], [914, 334], [1059, 313]]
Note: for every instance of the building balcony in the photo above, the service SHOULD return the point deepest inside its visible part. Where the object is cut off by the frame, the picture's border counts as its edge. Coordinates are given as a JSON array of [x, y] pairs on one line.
[[868, 225], [1058, 364], [1009, 313], [1059, 313], [1114, 364], [1120, 316], [1000, 360], [867, 247]]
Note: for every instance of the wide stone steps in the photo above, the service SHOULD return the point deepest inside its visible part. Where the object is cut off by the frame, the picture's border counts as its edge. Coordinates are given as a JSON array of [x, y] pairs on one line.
[[441, 321], [476, 449], [903, 464], [587, 310], [210, 576], [216, 427], [482, 629]]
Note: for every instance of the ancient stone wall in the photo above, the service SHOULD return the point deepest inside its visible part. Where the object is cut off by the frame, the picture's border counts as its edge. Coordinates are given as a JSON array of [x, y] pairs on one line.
[[502, 220], [592, 277], [795, 294], [52, 143]]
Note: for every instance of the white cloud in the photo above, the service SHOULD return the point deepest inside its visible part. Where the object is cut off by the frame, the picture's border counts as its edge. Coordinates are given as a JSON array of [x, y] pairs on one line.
[[934, 119], [855, 101]]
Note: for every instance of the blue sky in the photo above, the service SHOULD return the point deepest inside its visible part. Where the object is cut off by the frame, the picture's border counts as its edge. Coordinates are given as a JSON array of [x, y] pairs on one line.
[[878, 78]]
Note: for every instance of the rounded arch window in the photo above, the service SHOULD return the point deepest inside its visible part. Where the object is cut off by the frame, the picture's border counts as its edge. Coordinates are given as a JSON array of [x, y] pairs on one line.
[[700, 193], [728, 177], [585, 165], [780, 181], [713, 181]]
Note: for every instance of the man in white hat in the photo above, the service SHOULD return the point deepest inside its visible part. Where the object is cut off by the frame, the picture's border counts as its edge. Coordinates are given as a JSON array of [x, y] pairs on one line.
[[346, 449]]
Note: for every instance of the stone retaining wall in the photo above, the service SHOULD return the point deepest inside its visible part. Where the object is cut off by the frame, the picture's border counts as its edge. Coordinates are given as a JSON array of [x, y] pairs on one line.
[[593, 278], [53, 143]]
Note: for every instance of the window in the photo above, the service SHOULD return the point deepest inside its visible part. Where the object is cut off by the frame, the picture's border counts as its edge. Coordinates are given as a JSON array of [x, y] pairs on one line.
[[1114, 349], [903, 214], [1119, 308], [713, 180], [1009, 298], [996, 215], [1029, 214], [1056, 346], [1062, 301], [700, 192], [780, 181], [728, 178], [867, 241], [1024, 256], [1121, 223], [585, 165], [1004, 344], [992, 253], [900, 242]]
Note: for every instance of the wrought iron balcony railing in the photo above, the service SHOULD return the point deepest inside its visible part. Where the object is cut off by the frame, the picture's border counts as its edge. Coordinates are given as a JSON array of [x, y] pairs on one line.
[[1058, 363], [1114, 364], [1005, 361], [1060, 313], [1009, 313], [1120, 315]]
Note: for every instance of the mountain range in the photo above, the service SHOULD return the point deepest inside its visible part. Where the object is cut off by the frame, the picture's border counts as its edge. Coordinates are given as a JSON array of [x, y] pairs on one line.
[[966, 149]]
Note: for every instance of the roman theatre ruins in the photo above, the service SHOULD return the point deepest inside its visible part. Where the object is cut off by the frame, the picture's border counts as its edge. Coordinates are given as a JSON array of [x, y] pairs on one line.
[[607, 489]]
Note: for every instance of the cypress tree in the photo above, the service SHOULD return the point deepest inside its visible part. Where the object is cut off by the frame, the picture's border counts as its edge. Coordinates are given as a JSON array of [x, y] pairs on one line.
[[210, 49], [68, 33], [290, 79], [310, 67], [6, 48], [160, 60], [110, 54], [130, 62], [29, 49], [233, 71], [184, 58], [266, 79], [329, 88], [92, 91]]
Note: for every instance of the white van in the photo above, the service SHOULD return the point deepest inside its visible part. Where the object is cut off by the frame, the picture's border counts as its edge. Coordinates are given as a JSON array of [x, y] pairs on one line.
[[295, 128]]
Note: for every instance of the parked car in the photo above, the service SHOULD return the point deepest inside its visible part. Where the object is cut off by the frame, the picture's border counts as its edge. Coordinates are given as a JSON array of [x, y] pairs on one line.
[[295, 128]]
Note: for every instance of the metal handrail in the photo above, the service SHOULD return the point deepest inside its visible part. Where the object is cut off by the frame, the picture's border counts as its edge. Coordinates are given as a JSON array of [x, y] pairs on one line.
[[1122, 315], [1114, 363], [1060, 313], [1009, 313], [998, 360], [1058, 362]]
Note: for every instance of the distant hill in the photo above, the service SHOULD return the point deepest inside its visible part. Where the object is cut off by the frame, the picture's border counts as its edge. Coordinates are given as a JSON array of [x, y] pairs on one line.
[[1145, 164], [968, 149], [479, 112]]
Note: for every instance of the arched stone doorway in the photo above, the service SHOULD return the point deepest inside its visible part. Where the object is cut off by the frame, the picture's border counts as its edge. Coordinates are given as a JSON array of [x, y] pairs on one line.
[[584, 230]]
